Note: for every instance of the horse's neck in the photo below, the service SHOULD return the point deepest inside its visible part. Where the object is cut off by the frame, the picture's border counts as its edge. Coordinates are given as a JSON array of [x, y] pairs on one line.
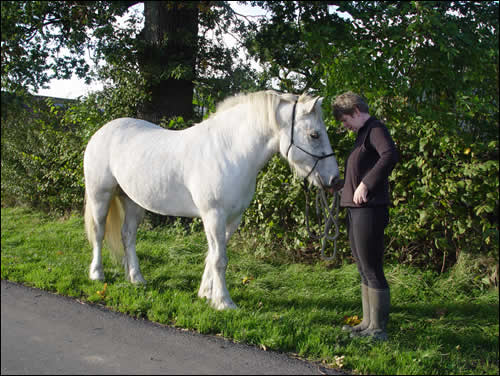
[[252, 140]]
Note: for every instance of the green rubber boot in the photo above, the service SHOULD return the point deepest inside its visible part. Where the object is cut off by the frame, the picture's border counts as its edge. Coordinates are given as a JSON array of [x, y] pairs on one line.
[[380, 304], [366, 313]]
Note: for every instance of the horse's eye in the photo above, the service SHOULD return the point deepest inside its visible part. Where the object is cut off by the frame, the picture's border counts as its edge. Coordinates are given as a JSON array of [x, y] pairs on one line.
[[314, 135]]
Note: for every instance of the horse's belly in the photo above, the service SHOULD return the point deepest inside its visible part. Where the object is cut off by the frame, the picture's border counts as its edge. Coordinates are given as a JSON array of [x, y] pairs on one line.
[[160, 197], [177, 203], [169, 203]]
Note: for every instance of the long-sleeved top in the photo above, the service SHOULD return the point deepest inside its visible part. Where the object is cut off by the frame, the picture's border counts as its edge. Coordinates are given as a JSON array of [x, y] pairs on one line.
[[371, 161]]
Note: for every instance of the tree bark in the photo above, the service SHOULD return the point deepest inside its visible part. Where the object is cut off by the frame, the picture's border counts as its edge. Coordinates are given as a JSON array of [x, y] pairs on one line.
[[167, 58]]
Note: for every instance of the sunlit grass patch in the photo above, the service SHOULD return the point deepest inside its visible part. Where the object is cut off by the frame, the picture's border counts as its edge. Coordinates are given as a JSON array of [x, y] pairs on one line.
[[437, 325]]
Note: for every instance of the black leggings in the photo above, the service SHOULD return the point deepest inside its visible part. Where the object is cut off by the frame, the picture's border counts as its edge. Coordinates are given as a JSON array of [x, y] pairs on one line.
[[365, 227]]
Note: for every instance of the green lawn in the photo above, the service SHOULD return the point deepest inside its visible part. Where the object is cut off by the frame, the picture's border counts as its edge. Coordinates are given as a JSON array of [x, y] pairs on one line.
[[440, 324]]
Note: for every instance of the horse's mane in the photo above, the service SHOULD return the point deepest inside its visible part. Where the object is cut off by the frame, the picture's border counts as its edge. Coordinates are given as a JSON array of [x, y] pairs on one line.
[[265, 102]]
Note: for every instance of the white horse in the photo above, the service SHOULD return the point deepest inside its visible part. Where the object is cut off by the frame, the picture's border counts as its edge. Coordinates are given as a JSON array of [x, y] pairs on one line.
[[208, 170]]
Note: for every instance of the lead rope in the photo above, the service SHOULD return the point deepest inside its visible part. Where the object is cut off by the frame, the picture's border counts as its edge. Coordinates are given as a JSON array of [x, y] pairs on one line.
[[324, 214]]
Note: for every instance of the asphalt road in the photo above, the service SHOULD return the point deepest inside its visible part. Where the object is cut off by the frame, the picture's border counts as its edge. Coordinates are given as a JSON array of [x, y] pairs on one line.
[[44, 333]]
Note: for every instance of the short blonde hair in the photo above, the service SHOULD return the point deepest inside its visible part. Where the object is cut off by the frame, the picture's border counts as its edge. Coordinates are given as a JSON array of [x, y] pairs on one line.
[[347, 103]]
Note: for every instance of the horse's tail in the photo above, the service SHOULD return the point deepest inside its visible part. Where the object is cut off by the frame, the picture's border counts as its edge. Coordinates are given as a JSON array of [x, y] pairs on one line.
[[113, 233], [114, 222]]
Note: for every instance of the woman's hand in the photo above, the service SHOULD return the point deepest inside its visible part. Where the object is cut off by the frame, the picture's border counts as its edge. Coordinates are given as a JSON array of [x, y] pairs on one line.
[[360, 194]]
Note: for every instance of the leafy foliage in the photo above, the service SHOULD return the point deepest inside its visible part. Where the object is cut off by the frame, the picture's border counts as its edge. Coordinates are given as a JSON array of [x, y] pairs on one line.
[[41, 160], [445, 193], [34, 34], [430, 71], [44, 40]]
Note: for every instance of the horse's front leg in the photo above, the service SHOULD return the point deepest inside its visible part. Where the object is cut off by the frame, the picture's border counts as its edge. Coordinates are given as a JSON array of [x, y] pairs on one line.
[[213, 283], [231, 227]]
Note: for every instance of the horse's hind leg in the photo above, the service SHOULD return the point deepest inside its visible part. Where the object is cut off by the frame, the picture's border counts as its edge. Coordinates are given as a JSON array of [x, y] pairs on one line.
[[96, 210], [213, 283], [133, 217]]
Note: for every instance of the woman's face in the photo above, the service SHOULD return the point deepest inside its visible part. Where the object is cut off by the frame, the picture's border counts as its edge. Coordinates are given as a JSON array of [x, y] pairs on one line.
[[353, 122]]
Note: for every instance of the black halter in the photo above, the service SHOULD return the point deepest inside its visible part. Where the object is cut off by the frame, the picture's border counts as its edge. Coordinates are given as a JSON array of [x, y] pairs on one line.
[[317, 157]]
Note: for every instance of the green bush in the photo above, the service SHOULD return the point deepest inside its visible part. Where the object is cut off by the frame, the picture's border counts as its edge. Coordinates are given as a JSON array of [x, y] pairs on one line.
[[41, 158], [445, 191]]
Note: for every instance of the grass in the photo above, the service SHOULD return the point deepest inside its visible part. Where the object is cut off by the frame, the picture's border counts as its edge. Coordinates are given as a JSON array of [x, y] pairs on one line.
[[439, 324]]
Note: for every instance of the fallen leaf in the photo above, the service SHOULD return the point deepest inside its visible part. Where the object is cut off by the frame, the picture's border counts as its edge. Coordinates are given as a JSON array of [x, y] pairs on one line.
[[352, 320], [102, 293], [246, 280], [339, 361]]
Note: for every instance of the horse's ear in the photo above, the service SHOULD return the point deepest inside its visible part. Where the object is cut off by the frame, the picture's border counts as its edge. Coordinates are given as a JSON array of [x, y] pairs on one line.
[[309, 106]]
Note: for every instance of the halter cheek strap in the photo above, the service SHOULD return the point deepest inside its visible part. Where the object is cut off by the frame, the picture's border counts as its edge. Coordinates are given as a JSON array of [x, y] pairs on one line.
[[293, 124], [317, 157]]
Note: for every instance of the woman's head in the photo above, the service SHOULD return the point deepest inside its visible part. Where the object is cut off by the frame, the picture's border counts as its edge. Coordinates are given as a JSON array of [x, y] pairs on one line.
[[347, 103], [351, 110]]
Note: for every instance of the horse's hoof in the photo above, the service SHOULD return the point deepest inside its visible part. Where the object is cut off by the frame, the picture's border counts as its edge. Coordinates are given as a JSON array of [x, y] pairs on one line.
[[224, 304], [96, 275], [137, 279], [204, 294], [232, 306]]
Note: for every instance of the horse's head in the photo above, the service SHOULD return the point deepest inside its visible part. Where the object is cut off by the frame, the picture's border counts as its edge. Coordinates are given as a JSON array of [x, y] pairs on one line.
[[304, 141]]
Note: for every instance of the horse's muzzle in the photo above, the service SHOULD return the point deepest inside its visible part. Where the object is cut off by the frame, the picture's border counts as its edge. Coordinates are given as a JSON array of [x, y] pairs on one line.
[[335, 184], [334, 181]]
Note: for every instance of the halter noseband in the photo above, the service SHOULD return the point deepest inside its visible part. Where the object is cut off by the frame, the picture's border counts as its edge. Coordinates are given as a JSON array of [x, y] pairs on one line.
[[317, 157]]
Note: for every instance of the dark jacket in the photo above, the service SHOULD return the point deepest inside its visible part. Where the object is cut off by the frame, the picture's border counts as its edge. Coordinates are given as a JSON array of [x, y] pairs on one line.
[[371, 160]]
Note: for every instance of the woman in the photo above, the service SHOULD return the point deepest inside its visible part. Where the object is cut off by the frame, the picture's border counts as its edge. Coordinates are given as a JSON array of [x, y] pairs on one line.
[[365, 194]]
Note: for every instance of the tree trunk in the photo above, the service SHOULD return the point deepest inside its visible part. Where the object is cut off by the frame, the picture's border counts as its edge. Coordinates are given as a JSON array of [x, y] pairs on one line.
[[167, 58]]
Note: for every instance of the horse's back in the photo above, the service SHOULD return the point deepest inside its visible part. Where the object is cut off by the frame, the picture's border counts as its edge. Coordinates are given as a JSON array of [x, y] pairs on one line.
[[122, 128], [122, 133], [101, 147], [145, 160]]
